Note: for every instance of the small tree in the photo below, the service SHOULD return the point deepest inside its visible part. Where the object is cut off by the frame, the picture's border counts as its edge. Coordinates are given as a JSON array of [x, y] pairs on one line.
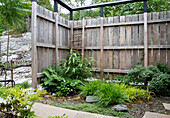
[[13, 11]]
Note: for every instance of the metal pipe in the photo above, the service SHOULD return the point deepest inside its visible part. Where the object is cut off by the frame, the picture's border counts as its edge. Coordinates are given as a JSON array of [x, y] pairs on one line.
[[101, 12], [71, 15], [64, 5], [55, 6], [145, 6]]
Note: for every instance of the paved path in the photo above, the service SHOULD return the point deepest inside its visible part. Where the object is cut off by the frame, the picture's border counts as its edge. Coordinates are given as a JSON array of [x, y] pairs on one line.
[[155, 115], [44, 111], [166, 106]]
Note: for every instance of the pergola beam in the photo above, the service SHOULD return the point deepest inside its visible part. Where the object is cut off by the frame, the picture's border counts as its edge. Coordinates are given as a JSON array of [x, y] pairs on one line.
[[64, 5], [105, 4]]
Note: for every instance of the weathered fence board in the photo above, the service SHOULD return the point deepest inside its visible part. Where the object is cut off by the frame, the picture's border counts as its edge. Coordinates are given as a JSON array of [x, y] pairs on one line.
[[116, 43]]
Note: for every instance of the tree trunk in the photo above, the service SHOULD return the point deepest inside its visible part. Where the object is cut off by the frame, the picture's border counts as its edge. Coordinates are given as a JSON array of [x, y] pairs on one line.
[[7, 52]]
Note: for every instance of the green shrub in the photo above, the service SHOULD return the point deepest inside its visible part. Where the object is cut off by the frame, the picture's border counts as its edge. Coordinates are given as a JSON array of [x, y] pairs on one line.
[[55, 83], [163, 67], [24, 85], [109, 93], [158, 77], [75, 67], [160, 84], [136, 93], [90, 88], [18, 102], [112, 93], [139, 74]]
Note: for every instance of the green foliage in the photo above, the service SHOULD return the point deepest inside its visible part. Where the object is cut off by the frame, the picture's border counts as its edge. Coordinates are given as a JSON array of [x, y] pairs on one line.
[[135, 8], [53, 82], [90, 88], [118, 10], [75, 67], [158, 77], [13, 12], [46, 4], [160, 84], [2, 26], [109, 94], [0, 85], [24, 85], [63, 116], [139, 74], [18, 101], [163, 67], [136, 93], [92, 108]]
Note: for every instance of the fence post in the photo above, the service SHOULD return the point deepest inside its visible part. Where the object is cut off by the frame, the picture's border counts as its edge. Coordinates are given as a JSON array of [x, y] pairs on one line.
[[101, 47], [56, 37], [71, 34], [34, 48], [145, 35], [83, 36]]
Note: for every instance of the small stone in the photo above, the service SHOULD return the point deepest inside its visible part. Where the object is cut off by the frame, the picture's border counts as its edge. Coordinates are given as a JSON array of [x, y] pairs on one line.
[[120, 108], [91, 99], [47, 96], [77, 98]]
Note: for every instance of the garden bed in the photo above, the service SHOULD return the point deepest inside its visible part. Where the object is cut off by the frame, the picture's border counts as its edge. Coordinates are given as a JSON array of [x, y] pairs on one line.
[[136, 109]]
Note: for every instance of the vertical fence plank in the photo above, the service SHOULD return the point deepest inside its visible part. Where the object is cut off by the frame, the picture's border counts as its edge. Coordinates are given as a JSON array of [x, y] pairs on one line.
[[128, 41], [135, 40], [142, 34], [156, 54], [110, 20], [116, 43], [105, 43], [95, 42], [56, 38], [98, 44], [101, 46], [163, 37], [83, 36], [149, 37], [168, 40], [93, 38], [122, 43], [34, 49]]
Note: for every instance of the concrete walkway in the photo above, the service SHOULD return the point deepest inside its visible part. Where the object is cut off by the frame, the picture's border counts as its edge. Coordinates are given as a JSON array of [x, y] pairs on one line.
[[155, 115], [43, 110], [166, 106]]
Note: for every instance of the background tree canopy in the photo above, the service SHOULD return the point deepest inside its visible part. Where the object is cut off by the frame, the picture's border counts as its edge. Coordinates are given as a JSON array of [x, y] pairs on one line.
[[119, 10]]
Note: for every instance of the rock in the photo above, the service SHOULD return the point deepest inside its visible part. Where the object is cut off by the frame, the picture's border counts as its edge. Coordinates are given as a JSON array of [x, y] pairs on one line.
[[91, 99], [47, 96], [4, 58], [20, 53], [120, 108], [21, 74], [6, 32]]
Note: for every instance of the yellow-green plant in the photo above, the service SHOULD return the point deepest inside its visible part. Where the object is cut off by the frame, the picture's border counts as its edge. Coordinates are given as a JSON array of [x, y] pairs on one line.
[[18, 101], [63, 116], [136, 93]]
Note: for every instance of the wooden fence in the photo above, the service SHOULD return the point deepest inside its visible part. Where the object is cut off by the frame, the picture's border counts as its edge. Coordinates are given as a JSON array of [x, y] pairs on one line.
[[116, 43]]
